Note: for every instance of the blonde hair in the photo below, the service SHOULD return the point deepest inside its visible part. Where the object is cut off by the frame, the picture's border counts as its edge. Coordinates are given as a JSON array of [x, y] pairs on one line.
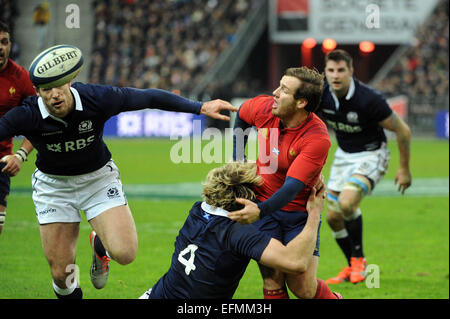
[[224, 184]]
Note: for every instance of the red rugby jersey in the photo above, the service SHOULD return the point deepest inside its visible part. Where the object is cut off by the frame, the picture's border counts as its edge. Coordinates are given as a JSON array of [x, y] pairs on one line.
[[15, 85], [298, 152]]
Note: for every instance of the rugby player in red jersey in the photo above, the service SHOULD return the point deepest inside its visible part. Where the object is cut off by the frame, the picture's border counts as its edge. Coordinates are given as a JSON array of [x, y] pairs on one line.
[[293, 147], [15, 85]]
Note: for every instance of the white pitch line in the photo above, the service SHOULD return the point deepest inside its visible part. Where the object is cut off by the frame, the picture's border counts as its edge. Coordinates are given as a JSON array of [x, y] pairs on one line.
[[386, 188]]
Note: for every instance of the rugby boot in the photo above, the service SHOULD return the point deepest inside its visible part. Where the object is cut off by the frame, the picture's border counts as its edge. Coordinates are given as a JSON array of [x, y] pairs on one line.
[[358, 269], [343, 276], [99, 267]]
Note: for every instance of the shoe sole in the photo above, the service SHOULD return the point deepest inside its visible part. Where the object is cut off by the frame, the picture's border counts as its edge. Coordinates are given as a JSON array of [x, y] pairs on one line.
[[94, 258], [359, 279]]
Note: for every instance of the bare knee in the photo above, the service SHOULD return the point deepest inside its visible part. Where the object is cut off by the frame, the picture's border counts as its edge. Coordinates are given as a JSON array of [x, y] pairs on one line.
[[124, 255], [122, 249], [273, 279], [335, 220], [60, 272], [304, 290], [348, 206]]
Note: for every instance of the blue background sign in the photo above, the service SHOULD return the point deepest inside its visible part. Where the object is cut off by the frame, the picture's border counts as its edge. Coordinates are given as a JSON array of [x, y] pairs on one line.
[[442, 124], [154, 123]]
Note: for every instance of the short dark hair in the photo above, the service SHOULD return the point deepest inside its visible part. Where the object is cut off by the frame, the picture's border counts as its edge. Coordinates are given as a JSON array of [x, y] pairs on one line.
[[311, 86], [339, 55], [4, 27]]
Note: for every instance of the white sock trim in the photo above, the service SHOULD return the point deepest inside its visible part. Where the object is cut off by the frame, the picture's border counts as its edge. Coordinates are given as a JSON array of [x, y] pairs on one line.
[[340, 234], [355, 215], [65, 292]]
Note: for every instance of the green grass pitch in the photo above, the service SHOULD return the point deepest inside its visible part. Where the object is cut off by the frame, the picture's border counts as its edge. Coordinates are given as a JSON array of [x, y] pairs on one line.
[[406, 238]]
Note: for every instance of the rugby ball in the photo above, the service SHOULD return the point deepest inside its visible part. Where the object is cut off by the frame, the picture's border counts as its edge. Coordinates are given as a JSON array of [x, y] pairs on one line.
[[56, 66]]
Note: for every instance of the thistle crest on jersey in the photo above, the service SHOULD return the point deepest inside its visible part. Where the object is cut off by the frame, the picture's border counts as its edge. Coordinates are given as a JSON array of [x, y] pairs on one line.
[[352, 117]]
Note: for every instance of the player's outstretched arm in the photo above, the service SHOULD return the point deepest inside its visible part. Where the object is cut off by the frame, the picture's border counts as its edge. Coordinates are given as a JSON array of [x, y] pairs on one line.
[[395, 124], [295, 257], [132, 99], [14, 162]]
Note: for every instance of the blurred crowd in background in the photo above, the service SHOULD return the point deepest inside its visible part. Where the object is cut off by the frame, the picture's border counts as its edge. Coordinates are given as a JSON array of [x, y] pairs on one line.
[[423, 69], [171, 44], [167, 44]]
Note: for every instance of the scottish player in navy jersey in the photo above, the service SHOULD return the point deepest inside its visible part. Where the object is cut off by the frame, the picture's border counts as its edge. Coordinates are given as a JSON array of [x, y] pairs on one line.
[[212, 251], [75, 171], [358, 115]]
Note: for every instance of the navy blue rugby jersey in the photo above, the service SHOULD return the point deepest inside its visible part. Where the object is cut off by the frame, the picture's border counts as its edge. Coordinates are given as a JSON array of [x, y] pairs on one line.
[[210, 257], [355, 118], [74, 145]]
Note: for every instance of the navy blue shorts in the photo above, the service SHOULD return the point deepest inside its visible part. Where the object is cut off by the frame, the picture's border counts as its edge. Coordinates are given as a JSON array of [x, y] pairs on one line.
[[285, 226], [5, 183]]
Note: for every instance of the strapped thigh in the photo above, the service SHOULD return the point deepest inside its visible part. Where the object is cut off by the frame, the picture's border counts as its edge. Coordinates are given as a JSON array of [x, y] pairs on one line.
[[333, 203], [358, 184]]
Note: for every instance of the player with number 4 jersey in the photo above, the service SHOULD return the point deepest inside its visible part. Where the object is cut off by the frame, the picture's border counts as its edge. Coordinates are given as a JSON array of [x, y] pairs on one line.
[[212, 251]]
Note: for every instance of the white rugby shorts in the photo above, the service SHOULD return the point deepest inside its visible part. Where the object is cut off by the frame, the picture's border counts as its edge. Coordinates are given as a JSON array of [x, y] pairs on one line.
[[59, 199], [371, 164]]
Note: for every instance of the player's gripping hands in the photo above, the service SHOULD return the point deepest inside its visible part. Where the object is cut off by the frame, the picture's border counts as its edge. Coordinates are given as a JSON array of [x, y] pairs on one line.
[[251, 212], [316, 201]]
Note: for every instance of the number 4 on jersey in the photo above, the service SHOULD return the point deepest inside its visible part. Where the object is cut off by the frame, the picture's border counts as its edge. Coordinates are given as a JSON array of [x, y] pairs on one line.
[[188, 263]]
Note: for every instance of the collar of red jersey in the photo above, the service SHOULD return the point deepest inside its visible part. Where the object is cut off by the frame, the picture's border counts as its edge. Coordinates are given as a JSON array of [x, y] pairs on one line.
[[214, 210], [350, 93], [78, 104]]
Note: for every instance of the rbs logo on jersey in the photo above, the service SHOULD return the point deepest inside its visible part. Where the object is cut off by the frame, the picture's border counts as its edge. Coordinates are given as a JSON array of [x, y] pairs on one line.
[[70, 146], [344, 127]]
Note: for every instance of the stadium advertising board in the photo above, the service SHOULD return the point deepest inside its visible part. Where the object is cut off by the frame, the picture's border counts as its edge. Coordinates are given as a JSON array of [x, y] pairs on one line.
[[347, 21], [442, 124], [154, 123]]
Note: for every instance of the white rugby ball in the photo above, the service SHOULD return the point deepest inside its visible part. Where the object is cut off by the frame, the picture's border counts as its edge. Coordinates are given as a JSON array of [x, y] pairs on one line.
[[56, 66]]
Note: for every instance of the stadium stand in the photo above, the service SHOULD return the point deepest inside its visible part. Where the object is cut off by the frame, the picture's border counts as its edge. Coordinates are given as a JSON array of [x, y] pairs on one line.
[[423, 69], [164, 44], [421, 73]]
